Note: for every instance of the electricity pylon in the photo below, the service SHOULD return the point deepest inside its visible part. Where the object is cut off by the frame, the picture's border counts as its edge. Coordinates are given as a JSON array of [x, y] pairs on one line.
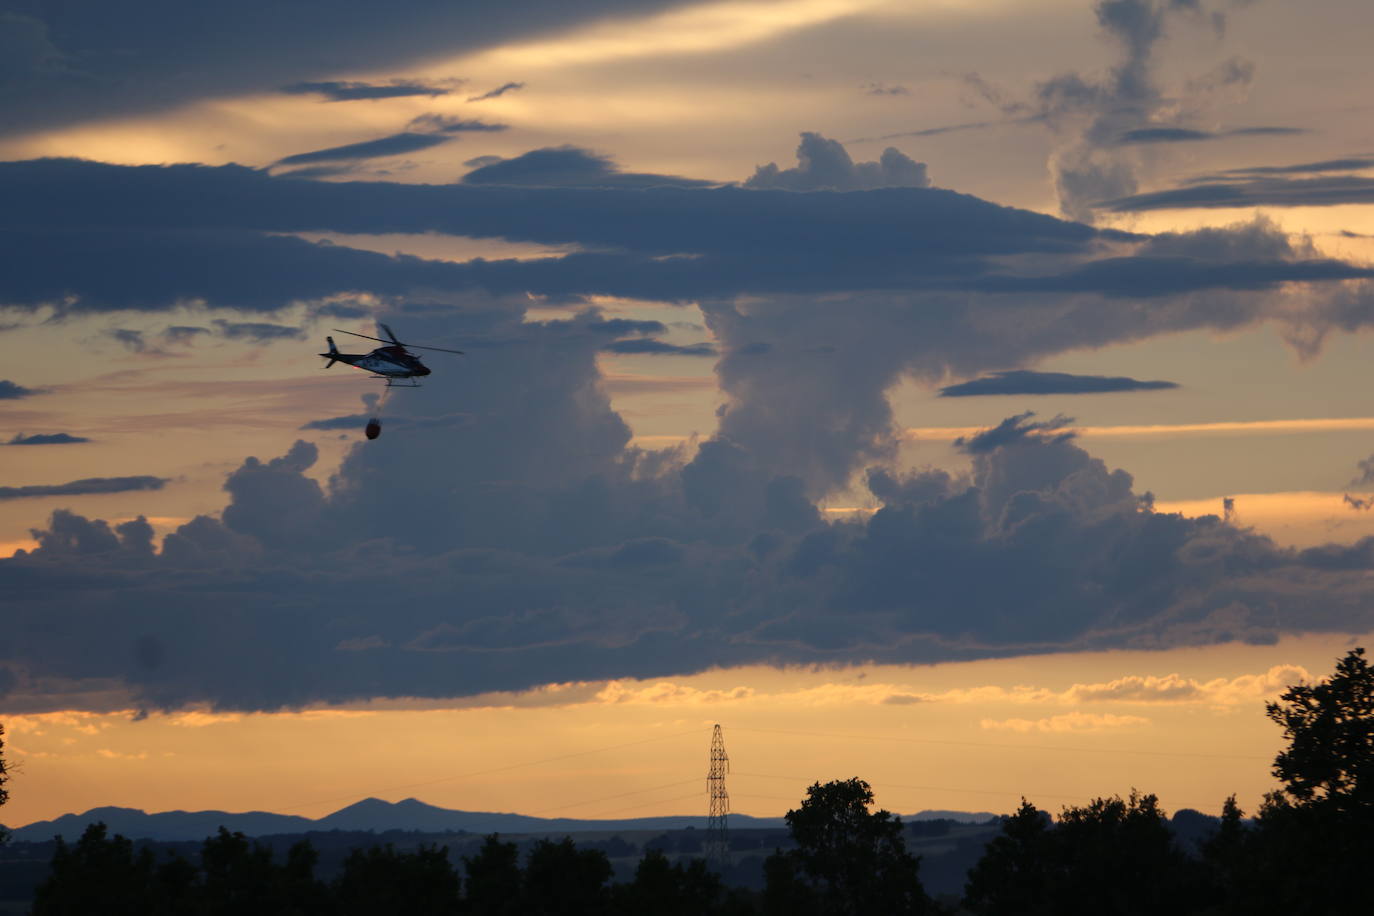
[[717, 839]]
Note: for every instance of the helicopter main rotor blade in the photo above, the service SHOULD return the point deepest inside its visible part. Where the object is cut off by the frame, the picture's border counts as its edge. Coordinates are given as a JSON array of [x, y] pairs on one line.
[[368, 336], [397, 343], [440, 349]]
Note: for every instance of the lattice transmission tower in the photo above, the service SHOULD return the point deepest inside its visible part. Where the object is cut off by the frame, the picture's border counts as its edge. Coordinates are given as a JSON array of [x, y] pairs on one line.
[[717, 839]]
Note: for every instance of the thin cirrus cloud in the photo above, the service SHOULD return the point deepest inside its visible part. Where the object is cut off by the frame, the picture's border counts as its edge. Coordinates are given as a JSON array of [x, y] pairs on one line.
[[394, 145], [497, 92], [1141, 135], [1216, 428], [85, 487], [46, 439], [1028, 382], [352, 91]]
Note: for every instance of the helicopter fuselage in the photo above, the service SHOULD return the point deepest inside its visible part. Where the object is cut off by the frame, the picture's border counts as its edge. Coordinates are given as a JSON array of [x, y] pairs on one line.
[[387, 362]]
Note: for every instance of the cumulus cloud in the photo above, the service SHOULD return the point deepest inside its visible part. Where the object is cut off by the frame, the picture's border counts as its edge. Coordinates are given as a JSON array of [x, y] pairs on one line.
[[824, 164], [10, 391], [1102, 120], [1025, 381], [544, 548], [1072, 722]]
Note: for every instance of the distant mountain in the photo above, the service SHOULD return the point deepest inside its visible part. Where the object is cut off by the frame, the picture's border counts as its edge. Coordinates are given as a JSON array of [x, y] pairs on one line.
[[369, 814], [379, 816], [167, 825]]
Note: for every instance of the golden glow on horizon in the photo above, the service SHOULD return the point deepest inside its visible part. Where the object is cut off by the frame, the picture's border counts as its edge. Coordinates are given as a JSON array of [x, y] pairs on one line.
[[925, 737]]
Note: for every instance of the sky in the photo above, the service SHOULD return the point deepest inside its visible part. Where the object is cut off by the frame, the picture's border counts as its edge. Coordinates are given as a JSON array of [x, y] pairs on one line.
[[966, 395]]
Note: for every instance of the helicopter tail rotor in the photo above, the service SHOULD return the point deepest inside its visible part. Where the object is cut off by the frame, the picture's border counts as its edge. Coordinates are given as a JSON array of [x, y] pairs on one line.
[[332, 355]]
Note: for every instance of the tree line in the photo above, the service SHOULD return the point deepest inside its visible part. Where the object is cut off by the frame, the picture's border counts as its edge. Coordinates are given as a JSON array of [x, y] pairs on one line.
[[1305, 851]]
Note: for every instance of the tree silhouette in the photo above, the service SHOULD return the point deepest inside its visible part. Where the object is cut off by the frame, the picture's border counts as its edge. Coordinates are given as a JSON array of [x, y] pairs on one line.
[[494, 879], [4, 780], [562, 880], [668, 889], [383, 880], [1013, 877], [851, 860], [99, 874], [1330, 732], [1111, 856]]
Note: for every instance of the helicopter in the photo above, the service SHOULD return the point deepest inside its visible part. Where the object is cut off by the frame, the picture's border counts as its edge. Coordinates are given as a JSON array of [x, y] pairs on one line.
[[393, 362]]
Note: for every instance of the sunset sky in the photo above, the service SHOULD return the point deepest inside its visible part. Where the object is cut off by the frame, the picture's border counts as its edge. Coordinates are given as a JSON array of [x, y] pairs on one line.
[[967, 395]]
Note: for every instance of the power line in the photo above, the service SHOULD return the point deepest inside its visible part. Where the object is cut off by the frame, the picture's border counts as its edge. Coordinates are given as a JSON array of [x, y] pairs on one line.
[[1000, 746]]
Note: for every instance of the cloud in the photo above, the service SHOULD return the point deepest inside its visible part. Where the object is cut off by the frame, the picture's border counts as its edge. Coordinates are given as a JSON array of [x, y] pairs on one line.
[[444, 124], [1073, 722], [10, 391], [658, 347], [544, 548], [1024, 381], [823, 164], [1017, 429], [1101, 121], [566, 167], [1328, 191], [350, 91], [394, 145], [74, 64], [257, 331], [885, 89], [352, 421], [85, 487], [1191, 135], [1351, 164], [497, 92], [1173, 688], [46, 439]]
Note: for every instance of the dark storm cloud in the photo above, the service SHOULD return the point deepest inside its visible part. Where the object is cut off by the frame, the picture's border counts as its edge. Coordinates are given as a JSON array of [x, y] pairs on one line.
[[568, 167], [10, 391], [658, 347], [350, 91], [497, 92], [653, 579], [69, 62], [394, 145], [1025, 381], [158, 237], [46, 439], [85, 487]]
